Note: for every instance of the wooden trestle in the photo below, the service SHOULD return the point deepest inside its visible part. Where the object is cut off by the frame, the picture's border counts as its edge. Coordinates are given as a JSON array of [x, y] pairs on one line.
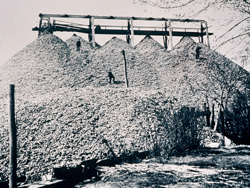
[[130, 30]]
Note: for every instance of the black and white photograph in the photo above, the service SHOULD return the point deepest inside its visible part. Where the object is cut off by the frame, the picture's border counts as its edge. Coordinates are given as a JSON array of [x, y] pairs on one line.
[[124, 93]]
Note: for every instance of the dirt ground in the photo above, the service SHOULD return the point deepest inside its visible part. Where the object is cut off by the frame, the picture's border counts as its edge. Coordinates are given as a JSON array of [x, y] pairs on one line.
[[220, 167]]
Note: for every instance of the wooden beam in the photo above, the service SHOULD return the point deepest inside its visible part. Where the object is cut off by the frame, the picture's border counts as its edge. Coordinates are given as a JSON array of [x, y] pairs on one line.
[[132, 32], [202, 30], [93, 31], [170, 35], [122, 32], [208, 44], [118, 17], [165, 37], [73, 29], [40, 26], [128, 33]]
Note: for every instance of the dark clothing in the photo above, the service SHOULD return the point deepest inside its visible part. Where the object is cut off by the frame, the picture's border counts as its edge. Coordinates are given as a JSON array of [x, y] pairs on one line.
[[78, 45], [98, 27], [197, 50], [111, 76]]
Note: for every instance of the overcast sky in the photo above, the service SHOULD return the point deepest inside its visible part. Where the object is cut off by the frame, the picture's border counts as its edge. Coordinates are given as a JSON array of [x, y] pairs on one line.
[[18, 17]]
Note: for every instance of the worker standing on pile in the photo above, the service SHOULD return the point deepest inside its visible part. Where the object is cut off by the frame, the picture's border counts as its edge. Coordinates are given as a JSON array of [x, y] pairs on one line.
[[111, 76], [78, 45], [197, 50]]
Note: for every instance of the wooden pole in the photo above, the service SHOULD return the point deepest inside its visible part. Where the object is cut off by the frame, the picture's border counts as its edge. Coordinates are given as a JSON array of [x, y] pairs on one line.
[[90, 33], [93, 31], [13, 152], [202, 30], [208, 44], [125, 69], [132, 31], [128, 34], [165, 37], [40, 26], [170, 35]]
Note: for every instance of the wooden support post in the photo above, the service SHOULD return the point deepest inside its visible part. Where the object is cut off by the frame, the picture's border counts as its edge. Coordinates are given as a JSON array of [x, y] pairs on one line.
[[125, 69], [12, 134], [92, 31], [128, 33], [170, 35], [40, 26], [208, 44], [165, 37], [132, 31], [202, 31]]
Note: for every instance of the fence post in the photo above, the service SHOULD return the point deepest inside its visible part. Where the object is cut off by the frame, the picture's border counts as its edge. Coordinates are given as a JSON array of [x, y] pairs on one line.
[[125, 69], [12, 134]]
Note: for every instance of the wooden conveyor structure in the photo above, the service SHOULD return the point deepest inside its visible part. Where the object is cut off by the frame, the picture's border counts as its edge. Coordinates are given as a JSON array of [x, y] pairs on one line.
[[130, 30]]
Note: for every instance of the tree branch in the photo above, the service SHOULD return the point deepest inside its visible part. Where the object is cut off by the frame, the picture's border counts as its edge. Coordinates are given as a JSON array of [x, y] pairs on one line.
[[233, 28], [166, 7], [205, 8], [236, 45], [248, 33]]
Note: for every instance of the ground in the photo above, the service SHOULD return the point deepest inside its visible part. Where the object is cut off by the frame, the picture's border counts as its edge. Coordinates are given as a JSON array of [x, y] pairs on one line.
[[220, 167]]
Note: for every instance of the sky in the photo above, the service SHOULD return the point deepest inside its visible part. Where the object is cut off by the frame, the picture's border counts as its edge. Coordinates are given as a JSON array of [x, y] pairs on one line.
[[18, 17]]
